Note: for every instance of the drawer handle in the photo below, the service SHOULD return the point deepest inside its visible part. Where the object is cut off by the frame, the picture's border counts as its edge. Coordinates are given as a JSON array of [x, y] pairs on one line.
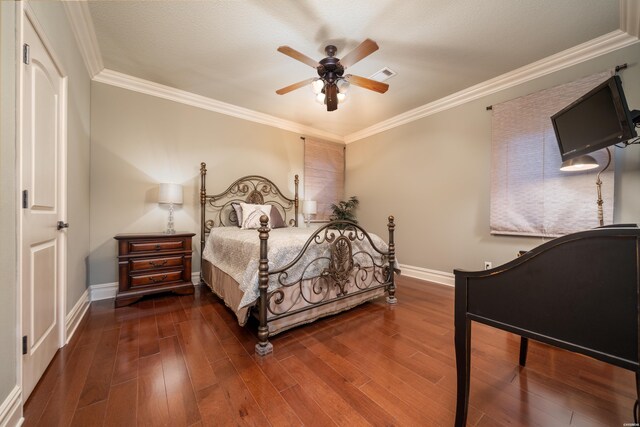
[[157, 279], [158, 247], [158, 264]]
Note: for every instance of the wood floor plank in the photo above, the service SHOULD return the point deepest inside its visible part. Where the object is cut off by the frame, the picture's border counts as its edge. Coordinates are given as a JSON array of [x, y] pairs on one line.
[[152, 395], [346, 369], [404, 413], [274, 407], [271, 367], [164, 319], [148, 333], [127, 356], [96, 386], [183, 407], [215, 409], [200, 371], [339, 410], [122, 406], [207, 338], [309, 412], [62, 404], [240, 399], [90, 416]]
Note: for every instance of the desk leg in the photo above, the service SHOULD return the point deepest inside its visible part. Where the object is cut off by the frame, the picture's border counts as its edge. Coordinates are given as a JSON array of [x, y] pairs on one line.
[[636, 406], [463, 365], [524, 346]]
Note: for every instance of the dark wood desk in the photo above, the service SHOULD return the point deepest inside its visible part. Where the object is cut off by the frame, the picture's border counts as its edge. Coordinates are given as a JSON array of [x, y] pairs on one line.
[[579, 292]]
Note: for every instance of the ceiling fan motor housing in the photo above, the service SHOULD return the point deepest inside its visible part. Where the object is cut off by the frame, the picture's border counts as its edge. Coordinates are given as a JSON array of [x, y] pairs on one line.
[[330, 68]]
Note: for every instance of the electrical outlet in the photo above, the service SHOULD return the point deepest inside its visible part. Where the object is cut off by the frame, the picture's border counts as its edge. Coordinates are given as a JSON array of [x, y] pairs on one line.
[[487, 265]]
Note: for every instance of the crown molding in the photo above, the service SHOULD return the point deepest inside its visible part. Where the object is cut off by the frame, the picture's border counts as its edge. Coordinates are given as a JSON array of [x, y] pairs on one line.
[[85, 34], [136, 84], [630, 17], [599, 46]]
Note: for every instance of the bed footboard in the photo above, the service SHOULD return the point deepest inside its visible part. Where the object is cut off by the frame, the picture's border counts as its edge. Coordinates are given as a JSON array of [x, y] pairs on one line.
[[345, 262]]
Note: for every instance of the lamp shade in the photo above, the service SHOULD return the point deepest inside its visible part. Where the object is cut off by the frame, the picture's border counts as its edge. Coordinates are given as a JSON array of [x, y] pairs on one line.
[[581, 163], [309, 207], [170, 193]]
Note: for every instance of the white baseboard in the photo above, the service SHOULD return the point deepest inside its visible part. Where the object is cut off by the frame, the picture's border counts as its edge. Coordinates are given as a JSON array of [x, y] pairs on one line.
[[435, 276], [103, 291], [76, 314], [11, 409], [109, 290], [195, 278]]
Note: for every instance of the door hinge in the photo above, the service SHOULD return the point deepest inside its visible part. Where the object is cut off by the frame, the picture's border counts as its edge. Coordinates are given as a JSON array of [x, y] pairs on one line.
[[24, 344], [26, 56], [25, 199]]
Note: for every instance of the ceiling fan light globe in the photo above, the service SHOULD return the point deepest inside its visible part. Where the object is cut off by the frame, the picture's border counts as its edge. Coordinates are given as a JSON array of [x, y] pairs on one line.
[[343, 86], [320, 98], [342, 98], [317, 85]]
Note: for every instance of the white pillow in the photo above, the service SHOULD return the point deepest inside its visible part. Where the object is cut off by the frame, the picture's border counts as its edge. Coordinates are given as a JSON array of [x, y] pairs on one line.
[[251, 215]]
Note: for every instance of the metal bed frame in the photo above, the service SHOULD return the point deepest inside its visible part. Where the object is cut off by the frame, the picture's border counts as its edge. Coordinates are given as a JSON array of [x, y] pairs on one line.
[[341, 264]]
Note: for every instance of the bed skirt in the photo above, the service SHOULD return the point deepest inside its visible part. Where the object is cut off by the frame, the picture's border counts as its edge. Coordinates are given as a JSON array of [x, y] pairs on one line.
[[225, 287]]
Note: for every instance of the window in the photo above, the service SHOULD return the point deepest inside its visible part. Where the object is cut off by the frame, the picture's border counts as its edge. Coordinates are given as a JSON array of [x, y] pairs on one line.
[[323, 174], [529, 193]]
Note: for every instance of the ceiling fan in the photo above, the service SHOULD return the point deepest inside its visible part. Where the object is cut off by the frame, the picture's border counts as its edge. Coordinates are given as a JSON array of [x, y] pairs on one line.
[[332, 84]]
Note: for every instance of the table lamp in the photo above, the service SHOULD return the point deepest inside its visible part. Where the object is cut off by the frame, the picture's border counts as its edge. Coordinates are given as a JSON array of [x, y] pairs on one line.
[[170, 194], [309, 207]]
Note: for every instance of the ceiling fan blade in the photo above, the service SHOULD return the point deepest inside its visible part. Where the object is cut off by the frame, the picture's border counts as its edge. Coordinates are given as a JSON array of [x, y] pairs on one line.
[[363, 50], [299, 56], [294, 86], [331, 92], [373, 85]]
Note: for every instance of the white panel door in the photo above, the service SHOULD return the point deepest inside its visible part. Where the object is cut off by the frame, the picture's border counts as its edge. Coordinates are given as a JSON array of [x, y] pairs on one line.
[[42, 247]]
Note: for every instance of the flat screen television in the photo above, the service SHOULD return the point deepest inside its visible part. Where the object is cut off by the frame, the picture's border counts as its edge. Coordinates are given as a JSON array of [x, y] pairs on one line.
[[596, 120]]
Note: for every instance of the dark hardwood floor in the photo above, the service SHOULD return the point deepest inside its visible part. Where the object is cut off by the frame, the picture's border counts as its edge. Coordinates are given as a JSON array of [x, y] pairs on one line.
[[184, 360]]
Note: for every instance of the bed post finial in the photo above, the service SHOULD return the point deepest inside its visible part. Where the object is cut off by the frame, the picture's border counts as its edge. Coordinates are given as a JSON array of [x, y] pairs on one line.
[[263, 347], [391, 290], [296, 200]]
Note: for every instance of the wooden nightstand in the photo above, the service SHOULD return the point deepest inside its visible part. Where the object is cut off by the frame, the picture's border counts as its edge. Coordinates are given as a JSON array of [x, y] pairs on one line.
[[153, 262]]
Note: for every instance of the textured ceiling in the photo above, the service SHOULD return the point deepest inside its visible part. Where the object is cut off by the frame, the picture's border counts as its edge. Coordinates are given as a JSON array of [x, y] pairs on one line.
[[226, 50]]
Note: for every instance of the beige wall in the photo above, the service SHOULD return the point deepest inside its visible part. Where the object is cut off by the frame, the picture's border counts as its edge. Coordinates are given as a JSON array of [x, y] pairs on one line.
[[434, 176], [8, 287], [139, 141], [53, 19]]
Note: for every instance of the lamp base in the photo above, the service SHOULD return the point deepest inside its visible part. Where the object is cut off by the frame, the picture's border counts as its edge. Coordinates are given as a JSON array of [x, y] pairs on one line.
[[170, 229]]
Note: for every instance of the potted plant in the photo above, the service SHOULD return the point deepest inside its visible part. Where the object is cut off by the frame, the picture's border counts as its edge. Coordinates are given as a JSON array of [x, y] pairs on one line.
[[345, 210]]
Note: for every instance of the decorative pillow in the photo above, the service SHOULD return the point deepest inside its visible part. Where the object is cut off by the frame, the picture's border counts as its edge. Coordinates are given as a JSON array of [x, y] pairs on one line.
[[238, 209], [251, 215], [276, 218]]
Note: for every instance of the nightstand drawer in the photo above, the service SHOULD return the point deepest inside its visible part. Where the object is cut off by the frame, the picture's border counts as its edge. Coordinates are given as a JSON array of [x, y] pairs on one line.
[[156, 278], [155, 263], [156, 246]]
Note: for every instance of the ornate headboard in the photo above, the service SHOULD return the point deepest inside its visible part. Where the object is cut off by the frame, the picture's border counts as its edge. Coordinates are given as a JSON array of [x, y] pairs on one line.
[[216, 210]]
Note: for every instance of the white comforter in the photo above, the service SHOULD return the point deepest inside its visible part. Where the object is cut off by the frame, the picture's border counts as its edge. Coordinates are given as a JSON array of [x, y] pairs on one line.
[[237, 253]]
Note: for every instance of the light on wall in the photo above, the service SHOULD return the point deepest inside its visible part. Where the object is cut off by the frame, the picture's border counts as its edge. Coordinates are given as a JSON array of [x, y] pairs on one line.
[[584, 163], [170, 194]]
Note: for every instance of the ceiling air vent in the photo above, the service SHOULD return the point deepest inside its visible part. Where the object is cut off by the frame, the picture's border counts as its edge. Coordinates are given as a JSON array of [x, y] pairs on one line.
[[382, 75]]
